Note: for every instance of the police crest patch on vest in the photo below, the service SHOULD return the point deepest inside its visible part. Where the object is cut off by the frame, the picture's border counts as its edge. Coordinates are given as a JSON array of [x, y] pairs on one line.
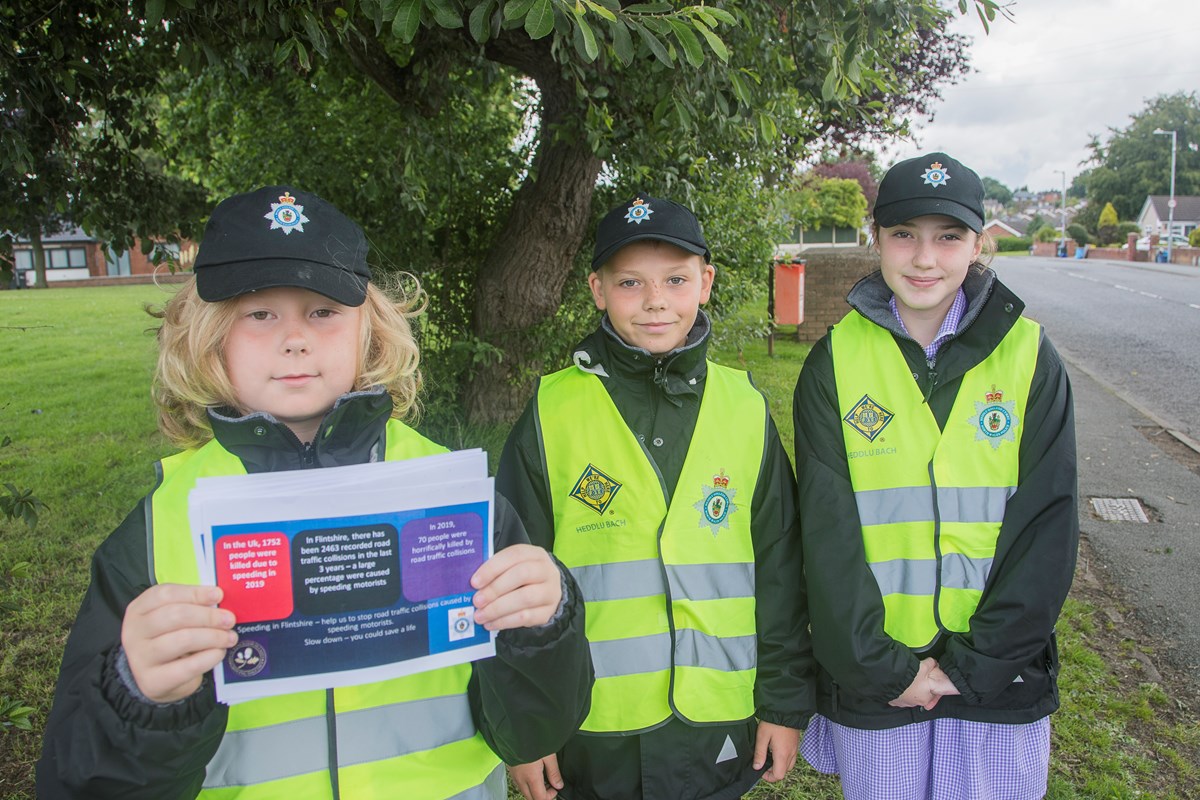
[[994, 419], [868, 418], [716, 504], [595, 489]]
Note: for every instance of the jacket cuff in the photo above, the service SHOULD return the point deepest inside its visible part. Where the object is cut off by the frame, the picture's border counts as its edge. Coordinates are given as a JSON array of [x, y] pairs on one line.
[[557, 626], [120, 692], [969, 696], [796, 720]]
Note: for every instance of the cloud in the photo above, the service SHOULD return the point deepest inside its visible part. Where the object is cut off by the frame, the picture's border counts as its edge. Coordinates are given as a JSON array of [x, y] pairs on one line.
[[1049, 81]]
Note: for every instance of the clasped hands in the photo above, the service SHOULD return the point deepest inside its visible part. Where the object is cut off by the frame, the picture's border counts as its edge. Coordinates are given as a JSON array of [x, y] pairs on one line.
[[930, 686]]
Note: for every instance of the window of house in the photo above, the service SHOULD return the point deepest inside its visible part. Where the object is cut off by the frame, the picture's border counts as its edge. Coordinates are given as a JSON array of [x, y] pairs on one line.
[[66, 258], [24, 259]]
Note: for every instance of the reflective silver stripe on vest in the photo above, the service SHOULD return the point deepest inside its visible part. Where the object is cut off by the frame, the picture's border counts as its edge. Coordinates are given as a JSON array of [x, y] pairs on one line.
[[711, 581], [298, 747], [494, 787], [962, 572], [915, 504], [919, 576], [620, 580], [730, 654], [374, 734], [631, 656]]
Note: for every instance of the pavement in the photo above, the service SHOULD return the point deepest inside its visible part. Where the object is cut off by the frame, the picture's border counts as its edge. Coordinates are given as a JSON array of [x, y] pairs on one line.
[[1154, 565]]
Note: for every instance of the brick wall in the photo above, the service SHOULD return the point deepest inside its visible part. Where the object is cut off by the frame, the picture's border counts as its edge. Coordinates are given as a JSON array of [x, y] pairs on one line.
[[828, 277]]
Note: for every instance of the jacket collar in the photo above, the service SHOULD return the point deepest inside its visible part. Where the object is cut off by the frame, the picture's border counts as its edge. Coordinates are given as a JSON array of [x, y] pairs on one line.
[[992, 310], [678, 373], [871, 295], [351, 433]]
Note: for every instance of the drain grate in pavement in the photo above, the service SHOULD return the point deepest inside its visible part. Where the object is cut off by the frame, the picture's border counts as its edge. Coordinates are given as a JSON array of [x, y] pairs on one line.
[[1119, 509]]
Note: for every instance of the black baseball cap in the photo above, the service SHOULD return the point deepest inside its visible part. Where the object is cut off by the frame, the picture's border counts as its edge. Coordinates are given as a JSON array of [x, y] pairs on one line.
[[646, 217], [931, 184], [281, 236]]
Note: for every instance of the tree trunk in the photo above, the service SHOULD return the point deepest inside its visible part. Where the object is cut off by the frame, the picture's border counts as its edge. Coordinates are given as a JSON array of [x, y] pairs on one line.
[[39, 260], [521, 282]]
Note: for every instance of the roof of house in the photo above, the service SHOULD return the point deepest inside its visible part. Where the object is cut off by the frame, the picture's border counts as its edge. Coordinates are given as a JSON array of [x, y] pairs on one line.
[[68, 236], [1015, 227], [1187, 207]]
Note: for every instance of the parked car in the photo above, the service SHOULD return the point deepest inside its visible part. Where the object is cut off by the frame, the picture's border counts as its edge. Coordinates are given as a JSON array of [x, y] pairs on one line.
[[1143, 243]]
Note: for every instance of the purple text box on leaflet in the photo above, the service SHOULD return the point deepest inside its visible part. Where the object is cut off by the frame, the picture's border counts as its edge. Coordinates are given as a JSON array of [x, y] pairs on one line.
[[438, 555]]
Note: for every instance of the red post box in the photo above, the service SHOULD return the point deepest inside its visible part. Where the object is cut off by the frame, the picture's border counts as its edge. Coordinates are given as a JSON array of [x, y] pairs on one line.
[[789, 292]]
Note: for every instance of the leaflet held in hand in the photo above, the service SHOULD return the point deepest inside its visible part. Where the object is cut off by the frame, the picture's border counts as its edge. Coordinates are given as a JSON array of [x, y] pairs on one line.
[[345, 575]]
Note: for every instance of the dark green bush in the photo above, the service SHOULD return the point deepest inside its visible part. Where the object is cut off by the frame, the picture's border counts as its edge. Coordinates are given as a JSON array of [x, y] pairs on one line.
[[1012, 244]]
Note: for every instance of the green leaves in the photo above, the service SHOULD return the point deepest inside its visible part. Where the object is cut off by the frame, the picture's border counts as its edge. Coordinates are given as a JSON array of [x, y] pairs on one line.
[[540, 19], [407, 21], [14, 714], [479, 23], [21, 504]]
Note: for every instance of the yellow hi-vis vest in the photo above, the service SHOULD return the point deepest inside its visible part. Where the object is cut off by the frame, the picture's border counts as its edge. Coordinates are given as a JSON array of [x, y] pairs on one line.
[[411, 737], [930, 501], [669, 591]]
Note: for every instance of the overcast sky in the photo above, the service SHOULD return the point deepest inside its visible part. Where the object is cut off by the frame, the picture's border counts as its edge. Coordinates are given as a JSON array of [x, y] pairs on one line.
[[1060, 72]]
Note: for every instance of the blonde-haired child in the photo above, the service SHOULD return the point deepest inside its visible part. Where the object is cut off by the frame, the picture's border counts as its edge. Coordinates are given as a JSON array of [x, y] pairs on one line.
[[283, 354]]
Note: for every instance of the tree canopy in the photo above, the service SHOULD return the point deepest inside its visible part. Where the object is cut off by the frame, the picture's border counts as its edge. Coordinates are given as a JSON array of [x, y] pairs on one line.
[[818, 202], [1135, 162], [995, 190], [476, 140]]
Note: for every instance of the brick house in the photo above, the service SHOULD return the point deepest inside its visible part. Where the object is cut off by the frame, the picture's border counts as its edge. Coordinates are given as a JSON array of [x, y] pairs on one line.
[[74, 257]]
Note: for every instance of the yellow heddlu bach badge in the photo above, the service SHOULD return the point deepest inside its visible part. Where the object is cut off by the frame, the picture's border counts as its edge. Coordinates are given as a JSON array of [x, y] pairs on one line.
[[868, 418], [995, 420], [716, 504], [595, 489]]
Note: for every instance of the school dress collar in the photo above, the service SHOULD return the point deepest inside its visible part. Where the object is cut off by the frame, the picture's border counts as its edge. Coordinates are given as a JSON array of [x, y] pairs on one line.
[[351, 433]]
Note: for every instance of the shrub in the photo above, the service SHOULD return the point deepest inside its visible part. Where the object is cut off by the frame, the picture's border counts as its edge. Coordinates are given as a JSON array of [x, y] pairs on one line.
[[1047, 234], [1079, 234], [1194, 238], [1013, 244], [1126, 228]]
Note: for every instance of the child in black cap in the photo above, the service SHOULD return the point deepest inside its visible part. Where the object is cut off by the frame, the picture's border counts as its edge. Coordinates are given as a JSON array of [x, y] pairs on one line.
[[283, 354], [658, 477], [935, 452]]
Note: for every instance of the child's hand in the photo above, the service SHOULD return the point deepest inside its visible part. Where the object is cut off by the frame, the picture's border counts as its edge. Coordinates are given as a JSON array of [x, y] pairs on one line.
[[172, 635], [782, 742], [530, 781], [519, 587], [920, 692], [940, 683]]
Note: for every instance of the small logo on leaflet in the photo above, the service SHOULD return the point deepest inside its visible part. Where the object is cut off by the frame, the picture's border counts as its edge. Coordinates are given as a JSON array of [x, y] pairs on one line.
[[462, 623]]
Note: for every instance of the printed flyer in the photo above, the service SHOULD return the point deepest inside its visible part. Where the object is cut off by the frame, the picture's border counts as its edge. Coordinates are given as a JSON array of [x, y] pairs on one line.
[[346, 575]]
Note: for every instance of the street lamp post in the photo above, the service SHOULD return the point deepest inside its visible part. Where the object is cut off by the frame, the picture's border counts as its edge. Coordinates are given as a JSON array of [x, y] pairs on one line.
[[1064, 210], [1171, 202]]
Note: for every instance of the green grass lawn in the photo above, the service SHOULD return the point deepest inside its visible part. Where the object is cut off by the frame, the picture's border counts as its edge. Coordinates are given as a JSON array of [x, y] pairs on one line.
[[74, 401]]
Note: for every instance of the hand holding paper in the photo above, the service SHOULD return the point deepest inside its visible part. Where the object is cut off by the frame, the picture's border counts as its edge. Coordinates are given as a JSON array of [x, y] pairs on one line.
[[350, 575], [172, 635], [519, 587]]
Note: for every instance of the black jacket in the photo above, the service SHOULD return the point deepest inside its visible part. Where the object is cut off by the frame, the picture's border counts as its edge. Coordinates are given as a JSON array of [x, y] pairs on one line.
[[1012, 631], [100, 741], [659, 400]]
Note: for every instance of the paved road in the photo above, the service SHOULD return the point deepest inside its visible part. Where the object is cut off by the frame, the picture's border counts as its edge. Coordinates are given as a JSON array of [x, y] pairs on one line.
[[1135, 328], [1130, 336]]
